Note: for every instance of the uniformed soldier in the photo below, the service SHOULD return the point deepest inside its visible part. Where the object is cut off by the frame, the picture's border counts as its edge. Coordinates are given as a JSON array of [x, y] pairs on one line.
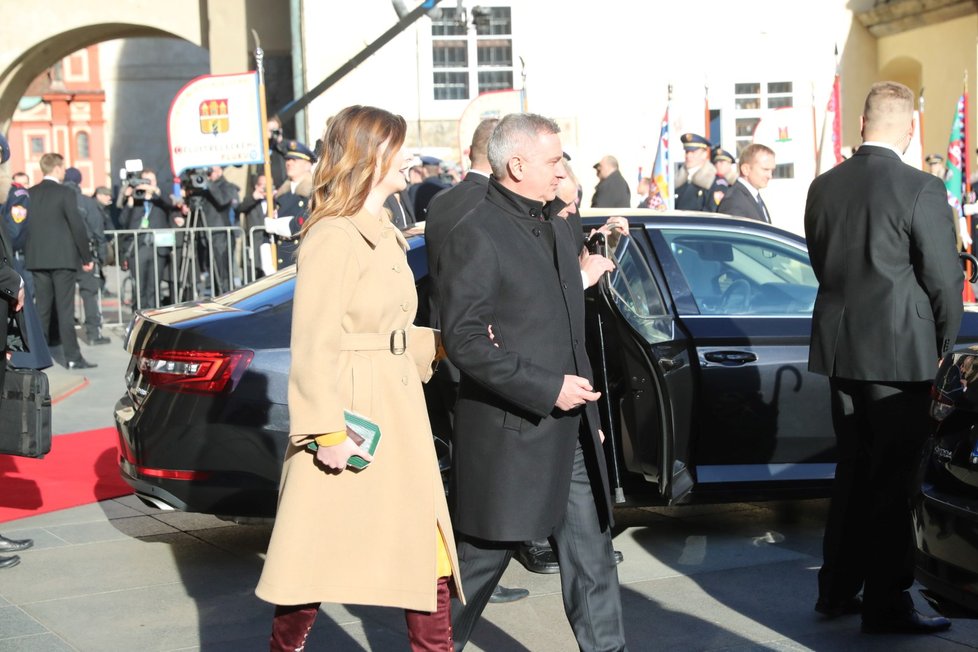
[[15, 216], [292, 201], [694, 182], [723, 161]]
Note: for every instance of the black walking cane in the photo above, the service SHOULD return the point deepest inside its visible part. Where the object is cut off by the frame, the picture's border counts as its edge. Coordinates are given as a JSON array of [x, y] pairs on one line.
[[601, 248]]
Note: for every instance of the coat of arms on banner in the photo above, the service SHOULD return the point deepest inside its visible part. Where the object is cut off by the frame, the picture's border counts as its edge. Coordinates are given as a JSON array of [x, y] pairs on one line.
[[214, 116]]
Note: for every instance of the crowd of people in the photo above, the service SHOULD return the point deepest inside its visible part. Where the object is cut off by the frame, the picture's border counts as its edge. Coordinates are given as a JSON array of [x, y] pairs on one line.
[[510, 267]]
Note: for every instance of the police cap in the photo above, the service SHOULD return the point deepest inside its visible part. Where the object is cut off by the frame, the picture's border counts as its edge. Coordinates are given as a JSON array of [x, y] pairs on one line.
[[720, 154], [295, 149], [693, 141], [4, 149]]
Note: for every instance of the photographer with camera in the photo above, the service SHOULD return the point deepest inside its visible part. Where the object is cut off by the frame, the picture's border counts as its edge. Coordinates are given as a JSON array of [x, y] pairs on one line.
[[220, 197], [276, 151], [145, 207], [88, 281]]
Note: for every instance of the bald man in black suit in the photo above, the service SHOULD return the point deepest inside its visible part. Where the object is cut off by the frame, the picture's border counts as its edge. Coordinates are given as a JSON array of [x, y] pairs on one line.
[[881, 238]]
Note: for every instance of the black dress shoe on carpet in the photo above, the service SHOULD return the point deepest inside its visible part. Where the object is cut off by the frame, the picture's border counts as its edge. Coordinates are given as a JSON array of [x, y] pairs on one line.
[[81, 363], [619, 557], [14, 545], [848, 607], [908, 622], [538, 559], [501, 594], [7, 562]]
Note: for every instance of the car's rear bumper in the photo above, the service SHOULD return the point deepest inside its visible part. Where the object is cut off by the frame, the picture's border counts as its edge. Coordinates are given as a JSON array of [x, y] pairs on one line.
[[187, 464], [946, 531]]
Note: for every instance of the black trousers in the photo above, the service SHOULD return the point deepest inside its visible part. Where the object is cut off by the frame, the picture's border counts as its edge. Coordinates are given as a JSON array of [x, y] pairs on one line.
[[588, 575], [880, 429], [55, 294], [88, 288]]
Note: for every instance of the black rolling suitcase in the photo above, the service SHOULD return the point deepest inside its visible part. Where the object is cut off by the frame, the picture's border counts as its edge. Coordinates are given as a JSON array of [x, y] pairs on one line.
[[25, 413]]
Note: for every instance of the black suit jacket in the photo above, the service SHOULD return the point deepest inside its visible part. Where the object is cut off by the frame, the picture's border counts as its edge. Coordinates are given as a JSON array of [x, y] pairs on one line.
[[56, 235], [881, 240], [9, 289], [446, 209], [612, 192], [738, 201], [513, 450]]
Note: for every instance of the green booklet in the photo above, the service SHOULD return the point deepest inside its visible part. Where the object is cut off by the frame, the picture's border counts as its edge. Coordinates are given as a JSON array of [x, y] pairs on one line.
[[364, 433]]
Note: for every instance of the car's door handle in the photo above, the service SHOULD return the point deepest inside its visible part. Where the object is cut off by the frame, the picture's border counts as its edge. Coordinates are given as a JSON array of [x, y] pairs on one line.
[[730, 358]]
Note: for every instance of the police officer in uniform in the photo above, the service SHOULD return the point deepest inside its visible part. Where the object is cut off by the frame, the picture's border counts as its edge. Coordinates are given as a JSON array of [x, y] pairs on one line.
[[723, 161], [13, 216], [694, 182], [292, 201]]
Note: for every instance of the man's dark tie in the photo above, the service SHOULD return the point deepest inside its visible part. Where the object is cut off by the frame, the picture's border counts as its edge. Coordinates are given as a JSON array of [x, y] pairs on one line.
[[760, 204]]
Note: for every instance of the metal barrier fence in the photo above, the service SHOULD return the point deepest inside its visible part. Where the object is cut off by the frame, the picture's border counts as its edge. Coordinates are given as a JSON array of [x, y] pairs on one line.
[[157, 267]]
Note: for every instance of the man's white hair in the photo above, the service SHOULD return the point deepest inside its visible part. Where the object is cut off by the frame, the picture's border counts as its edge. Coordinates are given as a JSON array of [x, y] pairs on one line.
[[511, 134]]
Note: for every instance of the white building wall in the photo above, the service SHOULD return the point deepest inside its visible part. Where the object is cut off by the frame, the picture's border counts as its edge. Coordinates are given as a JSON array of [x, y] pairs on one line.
[[600, 69]]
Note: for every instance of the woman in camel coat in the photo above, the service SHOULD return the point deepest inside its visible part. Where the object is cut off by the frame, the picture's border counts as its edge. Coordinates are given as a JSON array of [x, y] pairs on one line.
[[380, 536]]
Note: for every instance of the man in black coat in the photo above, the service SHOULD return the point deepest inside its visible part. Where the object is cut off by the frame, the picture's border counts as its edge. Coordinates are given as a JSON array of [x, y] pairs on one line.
[[220, 197], [88, 282], [57, 247], [612, 189], [881, 238], [11, 301], [743, 199], [512, 305]]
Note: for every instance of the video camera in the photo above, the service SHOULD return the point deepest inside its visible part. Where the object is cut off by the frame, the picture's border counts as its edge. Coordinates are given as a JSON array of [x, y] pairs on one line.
[[195, 181], [132, 176]]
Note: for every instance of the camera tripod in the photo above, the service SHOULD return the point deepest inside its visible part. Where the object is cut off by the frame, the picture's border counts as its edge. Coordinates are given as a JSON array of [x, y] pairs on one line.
[[187, 287]]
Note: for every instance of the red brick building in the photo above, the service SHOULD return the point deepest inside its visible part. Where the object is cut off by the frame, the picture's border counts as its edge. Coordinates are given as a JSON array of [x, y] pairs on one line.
[[62, 112]]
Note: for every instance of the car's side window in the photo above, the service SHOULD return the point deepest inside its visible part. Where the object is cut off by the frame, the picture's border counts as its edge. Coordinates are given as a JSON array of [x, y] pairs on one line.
[[736, 273], [636, 293]]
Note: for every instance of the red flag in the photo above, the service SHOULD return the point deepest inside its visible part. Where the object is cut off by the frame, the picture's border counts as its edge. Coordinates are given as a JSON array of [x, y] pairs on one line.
[[835, 107]]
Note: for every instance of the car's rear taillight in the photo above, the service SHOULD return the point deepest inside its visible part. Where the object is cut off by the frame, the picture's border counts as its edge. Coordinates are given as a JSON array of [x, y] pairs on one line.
[[198, 372]]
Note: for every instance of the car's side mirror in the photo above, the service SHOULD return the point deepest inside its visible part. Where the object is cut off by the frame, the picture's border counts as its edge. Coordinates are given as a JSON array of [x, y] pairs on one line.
[[966, 257]]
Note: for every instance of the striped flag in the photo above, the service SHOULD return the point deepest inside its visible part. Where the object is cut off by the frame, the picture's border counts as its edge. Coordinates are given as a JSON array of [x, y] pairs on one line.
[[661, 169]]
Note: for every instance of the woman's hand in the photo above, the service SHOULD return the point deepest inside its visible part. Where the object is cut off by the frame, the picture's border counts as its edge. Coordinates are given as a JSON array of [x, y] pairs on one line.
[[335, 457]]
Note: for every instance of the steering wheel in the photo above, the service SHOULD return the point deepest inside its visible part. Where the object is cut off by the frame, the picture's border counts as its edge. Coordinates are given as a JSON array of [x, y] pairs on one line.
[[736, 298]]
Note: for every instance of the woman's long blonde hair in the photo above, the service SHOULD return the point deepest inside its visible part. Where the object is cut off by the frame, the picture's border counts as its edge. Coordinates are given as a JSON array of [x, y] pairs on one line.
[[345, 172]]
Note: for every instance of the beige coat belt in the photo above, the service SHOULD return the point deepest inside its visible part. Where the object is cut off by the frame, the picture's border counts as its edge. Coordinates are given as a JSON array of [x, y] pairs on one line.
[[394, 341]]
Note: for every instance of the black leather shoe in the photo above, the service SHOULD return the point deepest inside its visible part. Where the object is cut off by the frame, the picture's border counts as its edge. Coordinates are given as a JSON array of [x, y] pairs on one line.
[[909, 622], [501, 594], [14, 545], [619, 557], [81, 363], [848, 607], [538, 559], [7, 562]]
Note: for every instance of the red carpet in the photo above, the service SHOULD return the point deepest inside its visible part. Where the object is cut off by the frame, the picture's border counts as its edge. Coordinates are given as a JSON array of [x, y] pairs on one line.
[[81, 468]]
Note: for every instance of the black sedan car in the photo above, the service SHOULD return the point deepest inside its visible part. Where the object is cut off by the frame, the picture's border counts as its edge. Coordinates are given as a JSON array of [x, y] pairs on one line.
[[699, 339], [946, 505]]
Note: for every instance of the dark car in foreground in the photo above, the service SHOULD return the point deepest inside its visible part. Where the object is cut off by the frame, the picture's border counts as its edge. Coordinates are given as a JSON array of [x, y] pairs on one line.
[[699, 340], [945, 509]]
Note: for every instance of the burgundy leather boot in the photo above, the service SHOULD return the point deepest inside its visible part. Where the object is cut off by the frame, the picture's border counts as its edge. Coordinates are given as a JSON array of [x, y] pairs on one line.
[[291, 626], [432, 631]]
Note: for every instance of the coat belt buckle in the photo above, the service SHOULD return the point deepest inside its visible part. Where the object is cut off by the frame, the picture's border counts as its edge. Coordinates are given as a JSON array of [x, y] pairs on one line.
[[398, 348]]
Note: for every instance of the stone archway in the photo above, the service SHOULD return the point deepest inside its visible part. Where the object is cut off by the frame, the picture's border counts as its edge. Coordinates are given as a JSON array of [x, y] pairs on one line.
[[906, 70]]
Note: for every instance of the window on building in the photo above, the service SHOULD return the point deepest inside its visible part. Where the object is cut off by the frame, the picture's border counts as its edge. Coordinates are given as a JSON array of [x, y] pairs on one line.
[[751, 101], [37, 145], [477, 54], [82, 145]]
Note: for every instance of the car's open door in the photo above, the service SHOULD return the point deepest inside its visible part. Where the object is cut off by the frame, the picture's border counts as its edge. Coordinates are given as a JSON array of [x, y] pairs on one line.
[[641, 362]]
